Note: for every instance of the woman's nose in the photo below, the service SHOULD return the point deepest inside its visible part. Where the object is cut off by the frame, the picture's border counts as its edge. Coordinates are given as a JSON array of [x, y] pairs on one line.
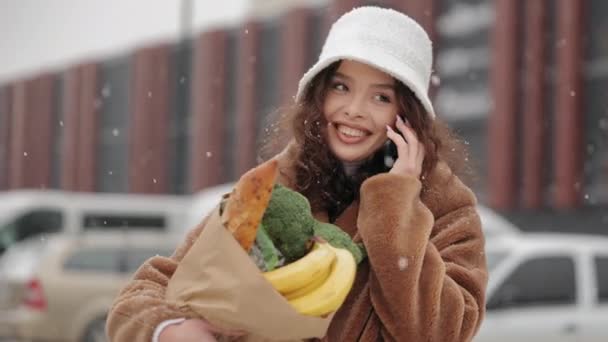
[[355, 108]]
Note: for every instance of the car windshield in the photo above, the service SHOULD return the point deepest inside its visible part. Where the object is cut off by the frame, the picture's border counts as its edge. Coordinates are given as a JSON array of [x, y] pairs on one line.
[[9, 212]]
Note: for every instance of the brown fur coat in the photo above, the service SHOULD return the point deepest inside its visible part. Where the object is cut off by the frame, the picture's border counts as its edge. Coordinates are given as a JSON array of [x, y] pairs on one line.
[[424, 279]]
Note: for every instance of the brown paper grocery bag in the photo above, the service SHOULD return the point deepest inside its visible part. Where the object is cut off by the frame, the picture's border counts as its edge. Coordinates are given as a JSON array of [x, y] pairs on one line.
[[219, 281]]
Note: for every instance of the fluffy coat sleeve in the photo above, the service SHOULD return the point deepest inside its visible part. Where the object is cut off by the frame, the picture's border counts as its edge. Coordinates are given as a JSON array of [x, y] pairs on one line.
[[141, 306], [428, 269]]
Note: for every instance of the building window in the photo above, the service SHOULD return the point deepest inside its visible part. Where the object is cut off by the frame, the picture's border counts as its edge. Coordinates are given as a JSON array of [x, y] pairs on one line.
[[595, 103], [112, 166]]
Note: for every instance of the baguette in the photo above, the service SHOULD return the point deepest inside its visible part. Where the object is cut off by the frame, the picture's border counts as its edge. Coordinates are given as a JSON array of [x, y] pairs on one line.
[[245, 207]]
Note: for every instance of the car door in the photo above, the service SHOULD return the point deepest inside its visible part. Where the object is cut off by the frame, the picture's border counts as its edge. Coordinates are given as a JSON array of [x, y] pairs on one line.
[[535, 301], [595, 327]]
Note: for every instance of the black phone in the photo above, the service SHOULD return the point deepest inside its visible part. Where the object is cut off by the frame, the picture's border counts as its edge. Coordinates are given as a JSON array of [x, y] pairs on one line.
[[390, 153]]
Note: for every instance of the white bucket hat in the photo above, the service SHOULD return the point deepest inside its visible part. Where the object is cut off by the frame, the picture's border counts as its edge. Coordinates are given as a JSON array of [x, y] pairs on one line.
[[385, 39]]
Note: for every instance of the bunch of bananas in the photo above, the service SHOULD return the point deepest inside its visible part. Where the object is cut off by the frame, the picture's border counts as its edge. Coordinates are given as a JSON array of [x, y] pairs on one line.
[[318, 283]]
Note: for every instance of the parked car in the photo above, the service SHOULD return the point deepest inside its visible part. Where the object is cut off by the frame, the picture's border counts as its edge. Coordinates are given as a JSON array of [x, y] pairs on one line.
[[547, 287], [26, 213], [494, 225], [59, 287]]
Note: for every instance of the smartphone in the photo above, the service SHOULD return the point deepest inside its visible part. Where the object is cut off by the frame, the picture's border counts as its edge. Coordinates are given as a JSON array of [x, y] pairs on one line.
[[390, 153]]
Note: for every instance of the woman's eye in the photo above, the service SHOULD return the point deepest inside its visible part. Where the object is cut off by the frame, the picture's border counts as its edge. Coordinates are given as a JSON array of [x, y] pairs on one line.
[[340, 86], [383, 98]]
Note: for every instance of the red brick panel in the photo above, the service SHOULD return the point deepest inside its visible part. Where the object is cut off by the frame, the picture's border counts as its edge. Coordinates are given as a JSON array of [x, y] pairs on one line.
[[295, 40], [569, 111], [5, 138], [150, 121], [31, 133], [503, 119], [533, 118], [208, 110], [70, 127], [247, 97], [89, 128], [336, 9]]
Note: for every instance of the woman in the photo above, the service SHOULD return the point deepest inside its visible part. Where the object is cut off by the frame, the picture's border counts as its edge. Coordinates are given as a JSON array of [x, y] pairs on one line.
[[425, 275]]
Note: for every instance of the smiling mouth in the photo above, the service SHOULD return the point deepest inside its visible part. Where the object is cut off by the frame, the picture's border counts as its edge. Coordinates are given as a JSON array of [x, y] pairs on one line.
[[351, 132], [350, 135]]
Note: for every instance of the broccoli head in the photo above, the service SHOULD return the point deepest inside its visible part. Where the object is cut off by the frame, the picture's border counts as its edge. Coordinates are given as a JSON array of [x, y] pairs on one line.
[[339, 239], [289, 222]]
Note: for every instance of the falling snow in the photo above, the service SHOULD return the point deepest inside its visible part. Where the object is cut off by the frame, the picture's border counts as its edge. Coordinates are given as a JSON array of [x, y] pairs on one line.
[[435, 80], [106, 91], [61, 123], [402, 263], [209, 154], [25, 154], [115, 132]]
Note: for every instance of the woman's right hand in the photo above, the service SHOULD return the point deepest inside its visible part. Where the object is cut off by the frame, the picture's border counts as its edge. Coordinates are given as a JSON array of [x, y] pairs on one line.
[[196, 330]]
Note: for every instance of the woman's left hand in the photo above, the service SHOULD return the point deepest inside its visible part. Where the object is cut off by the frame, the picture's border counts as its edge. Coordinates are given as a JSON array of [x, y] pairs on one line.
[[410, 152]]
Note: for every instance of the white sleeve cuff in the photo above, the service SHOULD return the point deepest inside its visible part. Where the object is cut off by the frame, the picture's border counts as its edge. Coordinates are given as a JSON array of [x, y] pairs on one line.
[[163, 325]]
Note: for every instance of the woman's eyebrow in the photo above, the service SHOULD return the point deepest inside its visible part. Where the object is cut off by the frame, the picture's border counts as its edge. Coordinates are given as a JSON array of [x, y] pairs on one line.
[[341, 75], [388, 86]]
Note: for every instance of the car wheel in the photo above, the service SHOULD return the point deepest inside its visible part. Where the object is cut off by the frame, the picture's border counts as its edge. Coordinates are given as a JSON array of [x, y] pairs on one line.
[[96, 331]]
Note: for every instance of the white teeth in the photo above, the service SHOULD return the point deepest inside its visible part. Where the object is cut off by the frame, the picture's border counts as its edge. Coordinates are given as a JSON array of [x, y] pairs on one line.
[[353, 132]]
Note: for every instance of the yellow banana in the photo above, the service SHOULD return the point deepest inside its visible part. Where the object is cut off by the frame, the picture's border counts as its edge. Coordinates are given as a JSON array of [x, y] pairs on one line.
[[302, 271], [318, 281], [331, 294]]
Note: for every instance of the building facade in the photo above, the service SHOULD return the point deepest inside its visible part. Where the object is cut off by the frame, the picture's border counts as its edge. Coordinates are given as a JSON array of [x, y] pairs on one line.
[[522, 82]]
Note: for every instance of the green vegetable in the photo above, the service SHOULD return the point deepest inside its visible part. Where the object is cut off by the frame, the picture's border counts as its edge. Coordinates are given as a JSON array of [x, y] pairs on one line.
[[289, 222], [339, 239], [269, 254]]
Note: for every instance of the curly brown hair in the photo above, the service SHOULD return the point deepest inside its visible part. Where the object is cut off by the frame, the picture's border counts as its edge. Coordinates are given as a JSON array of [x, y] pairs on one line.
[[321, 177]]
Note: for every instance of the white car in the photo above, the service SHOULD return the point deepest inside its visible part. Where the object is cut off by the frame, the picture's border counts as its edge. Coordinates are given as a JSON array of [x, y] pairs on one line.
[[26, 213], [60, 287], [547, 287]]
